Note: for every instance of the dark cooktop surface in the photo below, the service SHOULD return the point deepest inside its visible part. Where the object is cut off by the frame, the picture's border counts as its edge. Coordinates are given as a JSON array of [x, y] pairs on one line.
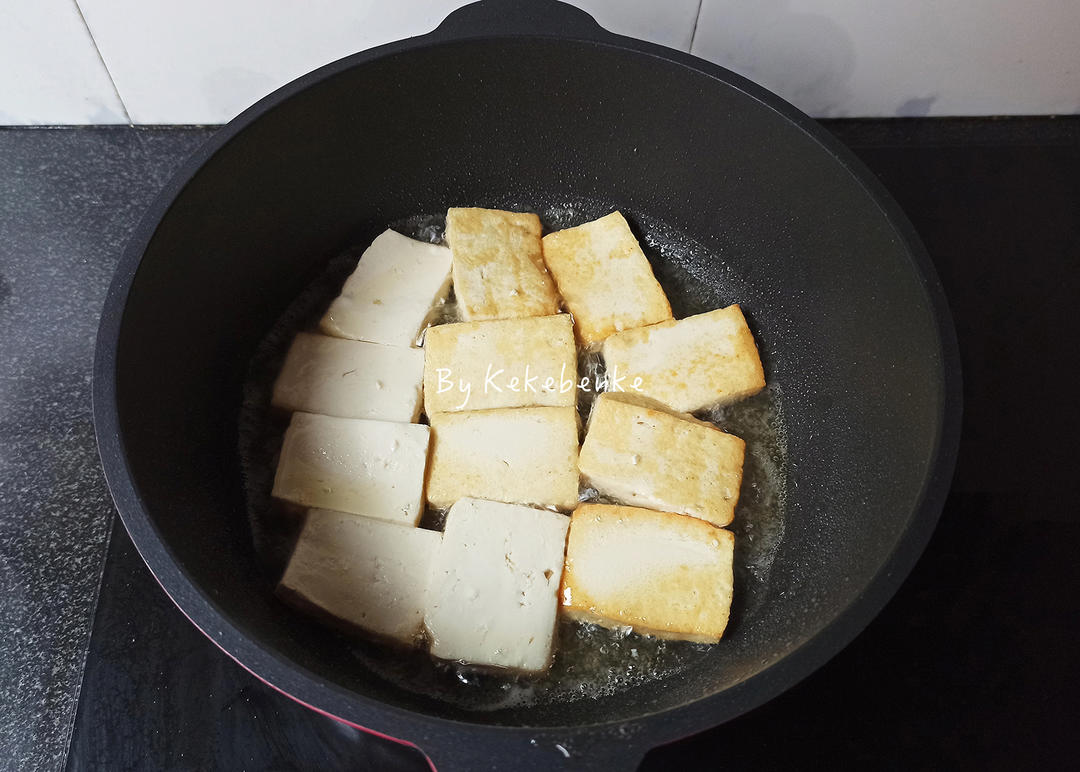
[[972, 664]]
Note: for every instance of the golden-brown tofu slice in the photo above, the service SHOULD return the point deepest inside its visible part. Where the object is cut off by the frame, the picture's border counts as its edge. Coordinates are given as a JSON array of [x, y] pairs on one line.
[[604, 278], [499, 270], [662, 574], [500, 363], [524, 455], [694, 363], [652, 458]]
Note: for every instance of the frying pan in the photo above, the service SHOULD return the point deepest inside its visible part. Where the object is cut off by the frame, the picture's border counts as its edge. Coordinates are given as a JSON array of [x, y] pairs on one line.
[[530, 104]]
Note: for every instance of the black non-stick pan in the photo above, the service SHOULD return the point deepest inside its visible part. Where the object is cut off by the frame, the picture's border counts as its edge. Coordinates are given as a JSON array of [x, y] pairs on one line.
[[532, 105]]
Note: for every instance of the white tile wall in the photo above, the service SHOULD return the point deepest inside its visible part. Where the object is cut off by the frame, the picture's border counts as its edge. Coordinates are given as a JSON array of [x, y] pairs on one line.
[[203, 61], [916, 57], [667, 22], [49, 70]]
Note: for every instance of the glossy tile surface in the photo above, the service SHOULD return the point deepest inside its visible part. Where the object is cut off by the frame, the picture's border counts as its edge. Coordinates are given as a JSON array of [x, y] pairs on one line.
[[847, 58], [204, 61], [50, 72]]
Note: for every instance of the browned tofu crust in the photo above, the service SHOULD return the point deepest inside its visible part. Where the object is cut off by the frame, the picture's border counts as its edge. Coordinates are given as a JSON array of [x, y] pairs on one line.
[[660, 573], [693, 363], [498, 264], [524, 455], [604, 278], [653, 458]]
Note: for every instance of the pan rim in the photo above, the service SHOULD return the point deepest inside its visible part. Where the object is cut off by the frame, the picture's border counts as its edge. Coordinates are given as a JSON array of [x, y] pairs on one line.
[[419, 727]]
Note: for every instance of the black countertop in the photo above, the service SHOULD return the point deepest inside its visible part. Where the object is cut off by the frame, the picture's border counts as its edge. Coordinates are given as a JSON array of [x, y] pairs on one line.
[[972, 664]]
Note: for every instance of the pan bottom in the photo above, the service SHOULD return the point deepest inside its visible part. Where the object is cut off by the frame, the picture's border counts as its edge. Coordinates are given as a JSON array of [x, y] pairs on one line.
[[591, 661]]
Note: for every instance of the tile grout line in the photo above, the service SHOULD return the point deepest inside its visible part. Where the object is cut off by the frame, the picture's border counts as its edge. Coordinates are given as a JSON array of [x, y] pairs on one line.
[[108, 72], [693, 31]]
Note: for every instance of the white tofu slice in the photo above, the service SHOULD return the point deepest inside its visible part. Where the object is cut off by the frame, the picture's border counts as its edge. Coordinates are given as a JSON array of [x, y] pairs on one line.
[[350, 379], [525, 455], [662, 574], [367, 573], [492, 598], [499, 270], [604, 278], [694, 363], [372, 468], [392, 293], [651, 458], [500, 363]]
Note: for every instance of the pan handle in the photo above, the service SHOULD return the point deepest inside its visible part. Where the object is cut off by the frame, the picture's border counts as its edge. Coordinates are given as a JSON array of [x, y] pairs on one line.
[[543, 751], [545, 18]]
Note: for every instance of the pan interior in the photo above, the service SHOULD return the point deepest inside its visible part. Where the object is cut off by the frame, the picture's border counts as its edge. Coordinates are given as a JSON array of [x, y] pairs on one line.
[[734, 204], [591, 661]]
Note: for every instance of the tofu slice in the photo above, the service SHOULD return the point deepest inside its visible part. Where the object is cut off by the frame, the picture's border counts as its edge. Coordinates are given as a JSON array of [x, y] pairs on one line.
[[392, 293], [694, 363], [662, 574], [499, 270], [372, 468], [604, 278], [492, 597], [500, 363], [366, 573], [524, 455], [350, 379], [652, 458]]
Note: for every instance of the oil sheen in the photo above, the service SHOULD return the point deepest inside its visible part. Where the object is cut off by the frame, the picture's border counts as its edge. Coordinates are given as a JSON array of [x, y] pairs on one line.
[[590, 661]]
